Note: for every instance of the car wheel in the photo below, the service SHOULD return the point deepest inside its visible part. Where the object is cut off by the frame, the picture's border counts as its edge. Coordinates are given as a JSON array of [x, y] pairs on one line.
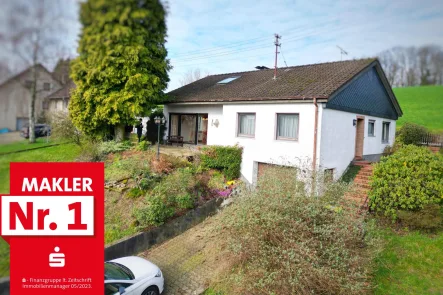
[[151, 291]]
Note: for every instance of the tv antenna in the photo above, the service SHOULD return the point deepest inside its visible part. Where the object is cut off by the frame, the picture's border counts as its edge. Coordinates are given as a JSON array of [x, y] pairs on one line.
[[342, 51]]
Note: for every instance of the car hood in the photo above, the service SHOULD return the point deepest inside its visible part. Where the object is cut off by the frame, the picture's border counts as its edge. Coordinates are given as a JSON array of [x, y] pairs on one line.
[[140, 267]]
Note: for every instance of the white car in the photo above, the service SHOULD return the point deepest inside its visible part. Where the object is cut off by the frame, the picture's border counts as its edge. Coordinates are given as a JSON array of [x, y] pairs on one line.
[[133, 276]]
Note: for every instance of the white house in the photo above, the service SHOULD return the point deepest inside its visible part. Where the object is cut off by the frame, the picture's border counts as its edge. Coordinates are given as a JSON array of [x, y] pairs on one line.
[[328, 114]]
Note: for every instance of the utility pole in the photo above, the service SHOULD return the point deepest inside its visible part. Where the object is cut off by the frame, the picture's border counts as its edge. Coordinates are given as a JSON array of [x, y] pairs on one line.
[[277, 44]]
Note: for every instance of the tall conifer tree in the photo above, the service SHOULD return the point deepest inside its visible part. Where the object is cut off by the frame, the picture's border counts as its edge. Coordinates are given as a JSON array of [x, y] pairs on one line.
[[122, 70]]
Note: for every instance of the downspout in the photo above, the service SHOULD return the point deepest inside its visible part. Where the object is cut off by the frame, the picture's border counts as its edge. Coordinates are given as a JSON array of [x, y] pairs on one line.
[[314, 162]]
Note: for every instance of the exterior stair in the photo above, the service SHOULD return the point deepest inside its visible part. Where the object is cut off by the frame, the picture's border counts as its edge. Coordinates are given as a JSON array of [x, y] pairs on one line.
[[361, 185]]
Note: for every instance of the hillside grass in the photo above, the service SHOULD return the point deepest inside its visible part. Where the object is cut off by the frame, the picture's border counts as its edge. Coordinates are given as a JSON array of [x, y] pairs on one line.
[[24, 144], [411, 263], [60, 153], [422, 105]]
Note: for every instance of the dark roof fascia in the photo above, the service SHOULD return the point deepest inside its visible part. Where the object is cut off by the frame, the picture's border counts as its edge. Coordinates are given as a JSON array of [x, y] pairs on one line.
[[385, 83], [254, 100], [358, 111]]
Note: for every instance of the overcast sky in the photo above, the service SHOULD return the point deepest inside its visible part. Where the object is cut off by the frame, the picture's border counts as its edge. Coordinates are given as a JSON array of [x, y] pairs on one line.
[[221, 36]]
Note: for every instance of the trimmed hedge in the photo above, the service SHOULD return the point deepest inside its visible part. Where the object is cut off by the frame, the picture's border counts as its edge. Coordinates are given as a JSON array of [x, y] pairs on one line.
[[225, 158], [411, 133], [407, 180]]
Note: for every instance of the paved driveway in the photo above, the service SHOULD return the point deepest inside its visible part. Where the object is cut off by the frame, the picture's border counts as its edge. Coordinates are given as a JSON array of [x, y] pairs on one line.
[[10, 137], [189, 261]]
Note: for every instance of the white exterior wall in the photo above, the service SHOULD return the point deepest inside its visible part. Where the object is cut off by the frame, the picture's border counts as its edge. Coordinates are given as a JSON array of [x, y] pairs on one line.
[[215, 112], [264, 147], [338, 139]]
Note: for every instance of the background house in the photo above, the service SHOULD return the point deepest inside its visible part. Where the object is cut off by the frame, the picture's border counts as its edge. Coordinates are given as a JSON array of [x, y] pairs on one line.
[[15, 96], [324, 115], [59, 100]]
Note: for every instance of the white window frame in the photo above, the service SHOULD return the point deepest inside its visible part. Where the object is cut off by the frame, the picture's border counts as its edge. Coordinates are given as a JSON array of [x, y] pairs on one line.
[[384, 136], [297, 131], [373, 130], [238, 124]]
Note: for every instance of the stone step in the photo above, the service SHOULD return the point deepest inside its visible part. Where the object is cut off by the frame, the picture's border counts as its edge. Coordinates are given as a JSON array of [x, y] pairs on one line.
[[361, 163]]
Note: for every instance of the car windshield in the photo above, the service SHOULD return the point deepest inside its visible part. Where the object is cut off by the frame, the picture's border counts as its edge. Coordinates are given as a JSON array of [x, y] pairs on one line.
[[116, 271]]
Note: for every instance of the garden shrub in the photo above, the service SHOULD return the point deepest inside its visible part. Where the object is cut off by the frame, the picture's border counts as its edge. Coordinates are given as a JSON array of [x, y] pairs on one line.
[[112, 146], [155, 213], [185, 201], [217, 181], [281, 240], [134, 192], [179, 182], [143, 145], [63, 129], [90, 152], [176, 162], [411, 133], [407, 180], [429, 218], [225, 158]]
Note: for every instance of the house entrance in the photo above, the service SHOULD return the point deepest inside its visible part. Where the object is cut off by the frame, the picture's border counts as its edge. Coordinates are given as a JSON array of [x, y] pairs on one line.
[[359, 138]]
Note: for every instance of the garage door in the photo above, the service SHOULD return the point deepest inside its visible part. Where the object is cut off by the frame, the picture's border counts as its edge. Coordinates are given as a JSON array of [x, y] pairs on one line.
[[263, 167], [21, 122]]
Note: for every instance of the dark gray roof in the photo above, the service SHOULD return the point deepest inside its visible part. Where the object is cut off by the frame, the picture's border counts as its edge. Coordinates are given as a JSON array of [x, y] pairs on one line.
[[292, 83]]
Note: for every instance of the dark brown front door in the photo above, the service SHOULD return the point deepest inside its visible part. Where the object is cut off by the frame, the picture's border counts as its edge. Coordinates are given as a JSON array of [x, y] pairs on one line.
[[359, 138]]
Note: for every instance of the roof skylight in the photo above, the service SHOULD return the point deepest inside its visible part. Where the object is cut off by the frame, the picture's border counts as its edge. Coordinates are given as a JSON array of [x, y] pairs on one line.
[[227, 80]]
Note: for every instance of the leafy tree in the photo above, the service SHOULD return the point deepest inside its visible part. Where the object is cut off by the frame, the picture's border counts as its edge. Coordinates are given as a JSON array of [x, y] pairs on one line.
[[121, 71]]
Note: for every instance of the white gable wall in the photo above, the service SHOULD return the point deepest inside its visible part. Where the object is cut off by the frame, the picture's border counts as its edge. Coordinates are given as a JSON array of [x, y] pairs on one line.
[[338, 139]]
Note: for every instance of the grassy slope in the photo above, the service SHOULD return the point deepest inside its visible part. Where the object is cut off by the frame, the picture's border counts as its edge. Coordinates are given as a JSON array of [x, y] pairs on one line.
[[24, 145], [410, 264], [61, 153], [422, 105]]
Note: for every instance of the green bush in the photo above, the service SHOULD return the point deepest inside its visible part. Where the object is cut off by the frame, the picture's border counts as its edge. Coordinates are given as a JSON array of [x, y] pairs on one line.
[[90, 152], [217, 181], [112, 146], [143, 145], [155, 213], [179, 182], [407, 180], [429, 218], [134, 193], [411, 133], [185, 201], [63, 129], [225, 158]]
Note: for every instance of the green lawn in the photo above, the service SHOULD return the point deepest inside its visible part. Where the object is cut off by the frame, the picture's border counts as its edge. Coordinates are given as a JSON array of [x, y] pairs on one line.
[[422, 105], [24, 145], [61, 153], [410, 264]]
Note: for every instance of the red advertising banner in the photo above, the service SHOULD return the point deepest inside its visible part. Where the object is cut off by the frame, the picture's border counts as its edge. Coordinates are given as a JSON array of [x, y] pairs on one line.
[[53, 220]]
